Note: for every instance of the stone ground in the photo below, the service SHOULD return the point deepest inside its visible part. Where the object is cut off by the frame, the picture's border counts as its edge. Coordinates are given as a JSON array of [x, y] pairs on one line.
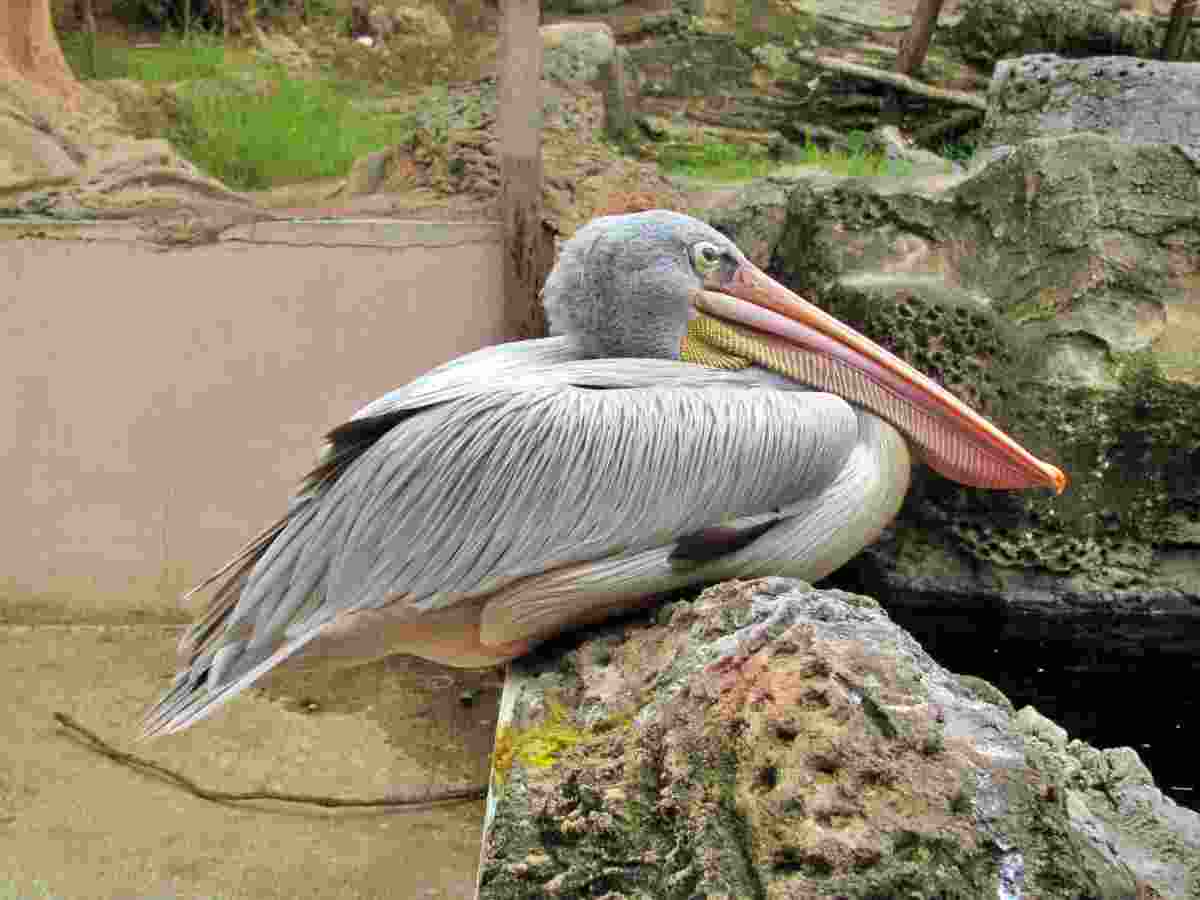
[[77, 825]]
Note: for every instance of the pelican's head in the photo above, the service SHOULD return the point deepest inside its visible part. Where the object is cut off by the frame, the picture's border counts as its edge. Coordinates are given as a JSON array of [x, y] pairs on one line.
[[637, 285]]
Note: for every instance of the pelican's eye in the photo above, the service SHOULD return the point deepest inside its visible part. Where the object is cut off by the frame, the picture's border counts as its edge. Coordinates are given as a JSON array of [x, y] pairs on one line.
[[706, 257]]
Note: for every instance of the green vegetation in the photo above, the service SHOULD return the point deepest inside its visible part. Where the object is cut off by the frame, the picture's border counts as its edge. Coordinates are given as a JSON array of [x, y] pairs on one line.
[[248, 122], [960, 150], [712, 159], [855, 159], [257, 133], [175, 59], [715, 160]]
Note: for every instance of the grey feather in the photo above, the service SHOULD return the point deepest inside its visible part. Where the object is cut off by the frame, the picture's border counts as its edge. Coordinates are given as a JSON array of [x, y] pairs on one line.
[[621, 283], [537, 472], [515, 476]]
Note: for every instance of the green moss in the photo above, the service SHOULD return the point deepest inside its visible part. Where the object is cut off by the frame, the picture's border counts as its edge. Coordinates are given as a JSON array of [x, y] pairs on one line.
[[961, 803], [922, 865], [878, 716], [175, 58], [934, 743]]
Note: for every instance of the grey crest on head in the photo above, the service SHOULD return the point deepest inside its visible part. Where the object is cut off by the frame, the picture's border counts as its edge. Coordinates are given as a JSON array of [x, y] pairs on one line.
[[622, 284]]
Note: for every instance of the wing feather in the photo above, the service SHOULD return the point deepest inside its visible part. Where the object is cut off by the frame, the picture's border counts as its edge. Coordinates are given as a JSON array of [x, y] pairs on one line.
[[510, 480], [513, 463]]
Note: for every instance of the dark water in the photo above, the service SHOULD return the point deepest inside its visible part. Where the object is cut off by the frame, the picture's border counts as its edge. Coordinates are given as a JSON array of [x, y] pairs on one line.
[[1133, 697]]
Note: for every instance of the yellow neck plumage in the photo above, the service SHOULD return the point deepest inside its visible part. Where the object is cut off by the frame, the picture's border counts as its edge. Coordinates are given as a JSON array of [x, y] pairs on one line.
[[707, 344]]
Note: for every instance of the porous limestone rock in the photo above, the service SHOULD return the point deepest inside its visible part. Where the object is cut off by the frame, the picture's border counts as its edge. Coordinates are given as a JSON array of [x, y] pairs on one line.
[[1058, 290], [1134, 100], [990, 30], [770, 740]]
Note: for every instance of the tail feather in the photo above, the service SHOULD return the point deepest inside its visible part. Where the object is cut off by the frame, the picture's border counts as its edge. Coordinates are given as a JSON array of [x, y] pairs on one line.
[[235, 573], [188, 702], [232, 644], [215, 661]]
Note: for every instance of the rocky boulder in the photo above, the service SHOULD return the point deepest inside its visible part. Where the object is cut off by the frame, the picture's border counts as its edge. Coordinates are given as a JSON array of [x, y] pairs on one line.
[[769, 740], [419, 24], [1058, 289], [1135, 100], [33, 156], [584, 56], [990, 30], [83, 161]]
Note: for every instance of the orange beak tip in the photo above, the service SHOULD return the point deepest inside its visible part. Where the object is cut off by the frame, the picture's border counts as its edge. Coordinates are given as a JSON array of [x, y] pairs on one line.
[[1059, 479]]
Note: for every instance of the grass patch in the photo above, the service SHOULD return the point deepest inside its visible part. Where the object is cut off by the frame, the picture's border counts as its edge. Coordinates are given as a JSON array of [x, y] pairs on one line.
[[175, 58], [248, 123], [715, 160], [960, 151], [855, 159], [254, 133], [245, 120], [857, 164]]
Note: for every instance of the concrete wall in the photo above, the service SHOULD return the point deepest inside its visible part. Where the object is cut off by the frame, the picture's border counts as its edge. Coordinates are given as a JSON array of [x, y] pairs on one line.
[[158, 406]]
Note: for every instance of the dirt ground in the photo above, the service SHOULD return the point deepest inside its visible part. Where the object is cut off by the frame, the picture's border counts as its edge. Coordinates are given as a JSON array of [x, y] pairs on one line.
[[76, 826]]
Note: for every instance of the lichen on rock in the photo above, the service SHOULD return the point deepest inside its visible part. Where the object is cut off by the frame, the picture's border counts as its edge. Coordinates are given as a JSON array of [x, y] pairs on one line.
[[769, 740]]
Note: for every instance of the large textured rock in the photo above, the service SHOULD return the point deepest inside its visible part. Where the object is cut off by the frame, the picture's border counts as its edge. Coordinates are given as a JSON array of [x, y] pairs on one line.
[[31, 157], [576, 52], [1136, 100], [585, 56], [990, 30], [1059, 290], [768, 740]]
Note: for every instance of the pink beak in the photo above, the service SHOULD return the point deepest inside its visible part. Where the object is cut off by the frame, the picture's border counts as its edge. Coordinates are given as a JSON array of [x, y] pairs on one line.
[[953, 439]]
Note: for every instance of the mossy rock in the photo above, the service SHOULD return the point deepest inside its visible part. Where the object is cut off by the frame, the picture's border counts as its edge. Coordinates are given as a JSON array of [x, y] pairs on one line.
[[991, 30], [1058, 290], [735, 748]]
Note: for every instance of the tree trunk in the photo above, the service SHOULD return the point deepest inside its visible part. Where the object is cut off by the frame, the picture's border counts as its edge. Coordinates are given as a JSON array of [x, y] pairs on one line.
[[915, 44], [29, 49], [1175, 42], [520, 123]]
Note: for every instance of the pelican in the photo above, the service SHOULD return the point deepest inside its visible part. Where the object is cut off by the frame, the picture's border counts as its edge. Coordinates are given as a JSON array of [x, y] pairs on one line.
[[694, 420]]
